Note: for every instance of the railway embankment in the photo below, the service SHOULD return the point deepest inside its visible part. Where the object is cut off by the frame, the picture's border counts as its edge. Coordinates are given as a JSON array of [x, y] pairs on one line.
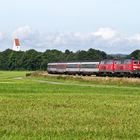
[[120, 81]]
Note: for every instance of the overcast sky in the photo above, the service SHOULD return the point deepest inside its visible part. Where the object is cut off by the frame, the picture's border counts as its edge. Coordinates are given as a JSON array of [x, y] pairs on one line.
[[109, 25]]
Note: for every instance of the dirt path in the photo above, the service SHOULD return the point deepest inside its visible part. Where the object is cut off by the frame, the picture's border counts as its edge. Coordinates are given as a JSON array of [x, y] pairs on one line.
[[81, 85], [86, 85]]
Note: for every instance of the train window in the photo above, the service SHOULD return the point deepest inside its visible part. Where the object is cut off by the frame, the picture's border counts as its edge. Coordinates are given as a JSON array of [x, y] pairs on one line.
[[51, 66], [72, 66], [122, 62], [109, 62], [127, 61], [102, 62], [89, 66], [61, 66], [118, 62], [136, 62]]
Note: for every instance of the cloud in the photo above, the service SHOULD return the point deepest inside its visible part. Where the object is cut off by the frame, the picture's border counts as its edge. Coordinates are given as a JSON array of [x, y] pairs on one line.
[[106, 39], [4, 41], [23, 33], [2, 36], [106, 33], [136, 38]]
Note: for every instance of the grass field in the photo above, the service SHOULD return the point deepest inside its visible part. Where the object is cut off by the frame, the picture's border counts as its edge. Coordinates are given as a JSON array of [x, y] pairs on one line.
[[57, 108]]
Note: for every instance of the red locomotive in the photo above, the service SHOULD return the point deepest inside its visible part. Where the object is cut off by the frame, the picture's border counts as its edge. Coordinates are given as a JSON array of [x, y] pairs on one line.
[[126, 67]]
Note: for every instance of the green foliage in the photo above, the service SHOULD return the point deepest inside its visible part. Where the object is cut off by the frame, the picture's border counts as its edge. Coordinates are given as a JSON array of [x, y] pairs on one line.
[[135, 54], [33, 60]]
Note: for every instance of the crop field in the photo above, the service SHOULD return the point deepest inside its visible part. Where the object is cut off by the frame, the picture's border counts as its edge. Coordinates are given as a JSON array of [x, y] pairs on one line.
[[64, 107]]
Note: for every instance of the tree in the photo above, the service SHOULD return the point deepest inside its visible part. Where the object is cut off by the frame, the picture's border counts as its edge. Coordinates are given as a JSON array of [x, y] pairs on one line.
[[135, 54], [31, 60], [34, 60]]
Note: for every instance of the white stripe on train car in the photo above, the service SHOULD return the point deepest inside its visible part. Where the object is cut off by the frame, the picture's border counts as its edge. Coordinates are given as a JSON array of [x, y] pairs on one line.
[[136, 67], [89, 70], [72, 69]]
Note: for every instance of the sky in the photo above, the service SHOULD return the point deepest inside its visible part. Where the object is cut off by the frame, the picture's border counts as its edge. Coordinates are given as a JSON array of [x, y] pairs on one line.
[[108, 25]]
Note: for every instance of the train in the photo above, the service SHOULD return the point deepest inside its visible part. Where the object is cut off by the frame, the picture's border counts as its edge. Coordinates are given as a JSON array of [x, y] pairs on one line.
[[112, 67]]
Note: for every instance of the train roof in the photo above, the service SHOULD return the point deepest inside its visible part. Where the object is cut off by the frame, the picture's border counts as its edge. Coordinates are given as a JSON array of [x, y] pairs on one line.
[[119, 59], [74, 63]]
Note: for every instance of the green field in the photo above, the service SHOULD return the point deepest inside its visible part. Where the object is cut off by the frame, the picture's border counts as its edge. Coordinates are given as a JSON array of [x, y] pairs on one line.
[[60, 108]]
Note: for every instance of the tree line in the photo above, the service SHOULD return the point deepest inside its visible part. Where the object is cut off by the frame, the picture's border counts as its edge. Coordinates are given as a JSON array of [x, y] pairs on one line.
[[34, 60]]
